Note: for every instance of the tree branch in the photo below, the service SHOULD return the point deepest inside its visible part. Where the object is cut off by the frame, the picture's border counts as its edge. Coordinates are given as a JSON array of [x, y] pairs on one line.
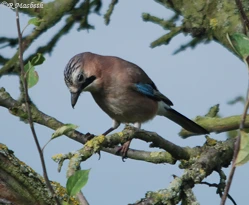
[[242, 125], [108, 13], [27, 104], [16, 108], [20, 184], [245, 19], [204, 20], [50, 15], [70, 171], [212, 158], [217, 124]]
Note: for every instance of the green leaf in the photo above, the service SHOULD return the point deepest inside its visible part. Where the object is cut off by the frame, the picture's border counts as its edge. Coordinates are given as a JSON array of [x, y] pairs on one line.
[[32, 75], [77, 181], [240, 44], [64, 129], [35, 21], [65, 203], [61, 131], [243, 155], [38, 59], [27, 67]]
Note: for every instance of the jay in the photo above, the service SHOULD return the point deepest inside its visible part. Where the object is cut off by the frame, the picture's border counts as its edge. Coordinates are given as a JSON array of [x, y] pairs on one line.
[[122, 90]]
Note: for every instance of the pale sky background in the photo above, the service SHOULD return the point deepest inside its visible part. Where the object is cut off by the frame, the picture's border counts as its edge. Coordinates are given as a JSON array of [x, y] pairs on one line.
[[194, 80]]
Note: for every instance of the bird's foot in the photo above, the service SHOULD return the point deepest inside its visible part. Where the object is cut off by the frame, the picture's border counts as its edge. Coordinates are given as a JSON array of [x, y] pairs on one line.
[[89, 136], [124, 149]]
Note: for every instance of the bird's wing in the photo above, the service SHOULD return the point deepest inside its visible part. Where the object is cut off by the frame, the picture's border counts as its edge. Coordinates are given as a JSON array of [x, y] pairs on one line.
[[132, 75], [150, 90]]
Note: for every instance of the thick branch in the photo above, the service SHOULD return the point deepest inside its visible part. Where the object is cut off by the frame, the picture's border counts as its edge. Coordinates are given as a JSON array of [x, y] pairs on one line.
[[20, 184], [18, 109], [211, 124], [212, 158], [217, 125], [204, 20]]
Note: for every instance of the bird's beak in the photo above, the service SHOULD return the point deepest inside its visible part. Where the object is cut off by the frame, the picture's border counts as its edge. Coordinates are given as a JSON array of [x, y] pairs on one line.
[[74, 98]]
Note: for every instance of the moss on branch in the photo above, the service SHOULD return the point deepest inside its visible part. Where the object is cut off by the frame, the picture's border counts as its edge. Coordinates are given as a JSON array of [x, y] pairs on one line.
[[111, 141], [211, 158], [51, 14], [20, 184], [204, 20], [198, 162], [109, 144]]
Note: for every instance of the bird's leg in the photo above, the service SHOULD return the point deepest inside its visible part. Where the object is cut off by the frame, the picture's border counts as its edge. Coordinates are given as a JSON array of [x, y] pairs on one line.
[[115, 125], [125, 147], [108, 131]]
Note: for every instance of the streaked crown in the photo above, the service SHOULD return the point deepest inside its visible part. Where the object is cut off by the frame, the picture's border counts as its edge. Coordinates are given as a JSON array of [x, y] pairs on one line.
[[74, 64]]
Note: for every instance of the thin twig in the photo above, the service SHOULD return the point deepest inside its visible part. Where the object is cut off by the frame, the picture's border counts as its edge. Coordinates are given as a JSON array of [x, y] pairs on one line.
[[109, 11], [217, 186], [236, 149], [71, 170], [243, 14], [82, 199], [27, 102]]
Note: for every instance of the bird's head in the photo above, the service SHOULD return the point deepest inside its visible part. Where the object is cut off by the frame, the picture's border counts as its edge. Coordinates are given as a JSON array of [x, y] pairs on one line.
[[78, 78]]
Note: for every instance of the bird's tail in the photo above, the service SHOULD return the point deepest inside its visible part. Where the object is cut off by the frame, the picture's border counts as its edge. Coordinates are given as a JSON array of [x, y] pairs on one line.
[[184, 121]]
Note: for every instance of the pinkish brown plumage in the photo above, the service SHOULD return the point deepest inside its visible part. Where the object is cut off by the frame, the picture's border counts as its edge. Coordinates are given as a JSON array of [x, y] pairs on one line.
[[122, 90]]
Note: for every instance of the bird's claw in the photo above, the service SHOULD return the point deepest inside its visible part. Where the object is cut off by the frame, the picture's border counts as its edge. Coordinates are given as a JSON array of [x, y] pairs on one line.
[[89, 136], [99, 153], [123, 150]]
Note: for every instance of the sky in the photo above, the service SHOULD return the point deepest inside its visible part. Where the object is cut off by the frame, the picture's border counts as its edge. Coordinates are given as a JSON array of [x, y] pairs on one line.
[[194, 80]]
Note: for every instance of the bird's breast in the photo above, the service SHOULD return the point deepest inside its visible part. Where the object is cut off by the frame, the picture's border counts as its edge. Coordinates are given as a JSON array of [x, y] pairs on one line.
[[127, 106]]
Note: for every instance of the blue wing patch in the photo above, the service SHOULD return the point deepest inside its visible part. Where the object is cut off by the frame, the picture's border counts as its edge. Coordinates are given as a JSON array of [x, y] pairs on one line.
[[146, 89], [151, 91]]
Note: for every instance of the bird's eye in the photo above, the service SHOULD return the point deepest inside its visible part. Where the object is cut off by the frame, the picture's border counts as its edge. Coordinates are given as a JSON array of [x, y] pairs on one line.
[[80, 78]]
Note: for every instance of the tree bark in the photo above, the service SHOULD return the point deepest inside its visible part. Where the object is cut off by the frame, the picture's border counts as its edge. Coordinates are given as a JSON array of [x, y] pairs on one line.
[[204, 21]]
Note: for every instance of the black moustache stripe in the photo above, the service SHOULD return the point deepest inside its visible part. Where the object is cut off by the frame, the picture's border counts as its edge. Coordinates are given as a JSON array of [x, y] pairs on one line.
[[87, 82]]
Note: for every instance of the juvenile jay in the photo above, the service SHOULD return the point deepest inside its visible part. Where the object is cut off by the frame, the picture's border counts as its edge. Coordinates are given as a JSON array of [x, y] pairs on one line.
[[122, 90]]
